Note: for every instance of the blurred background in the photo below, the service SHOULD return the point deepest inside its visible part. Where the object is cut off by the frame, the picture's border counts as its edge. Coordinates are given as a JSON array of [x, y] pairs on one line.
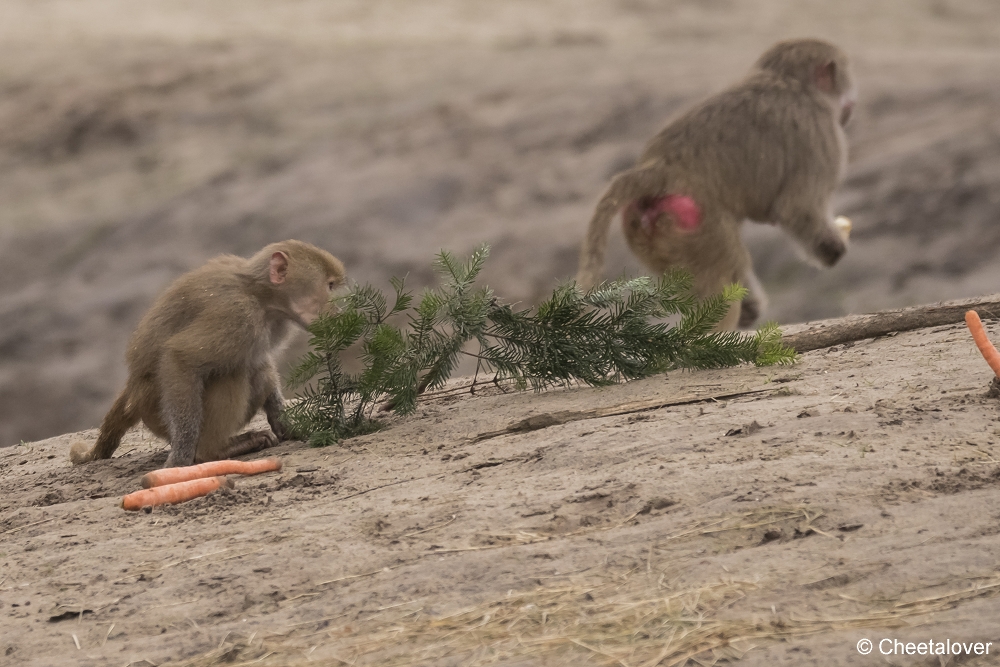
[[139, 139]]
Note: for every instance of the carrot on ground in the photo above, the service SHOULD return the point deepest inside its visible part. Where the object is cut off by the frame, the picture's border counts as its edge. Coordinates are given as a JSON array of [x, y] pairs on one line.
[[989, 352], [210, 469], [174, 493]]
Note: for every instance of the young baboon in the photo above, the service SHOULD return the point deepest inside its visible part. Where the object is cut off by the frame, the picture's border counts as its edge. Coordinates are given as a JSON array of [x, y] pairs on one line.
[[770, 148], [201, 361]]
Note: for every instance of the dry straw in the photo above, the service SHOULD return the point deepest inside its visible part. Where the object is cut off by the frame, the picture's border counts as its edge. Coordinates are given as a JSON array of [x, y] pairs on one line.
[[615, 623], [633, 619]]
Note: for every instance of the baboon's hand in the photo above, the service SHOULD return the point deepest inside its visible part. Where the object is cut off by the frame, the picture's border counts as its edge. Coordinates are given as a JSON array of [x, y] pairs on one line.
[[830, 249], [281, 432]]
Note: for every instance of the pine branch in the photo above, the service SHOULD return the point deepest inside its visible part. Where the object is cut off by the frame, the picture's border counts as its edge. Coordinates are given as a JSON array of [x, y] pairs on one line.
[[613, 333]]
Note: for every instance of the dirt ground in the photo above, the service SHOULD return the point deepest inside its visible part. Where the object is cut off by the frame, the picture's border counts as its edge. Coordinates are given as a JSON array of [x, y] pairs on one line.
[[136, 141], [760, 516], [751, 516]]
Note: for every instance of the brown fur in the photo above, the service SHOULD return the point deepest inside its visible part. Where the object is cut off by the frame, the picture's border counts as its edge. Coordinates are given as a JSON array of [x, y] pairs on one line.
[[770, 148], [200, 363]]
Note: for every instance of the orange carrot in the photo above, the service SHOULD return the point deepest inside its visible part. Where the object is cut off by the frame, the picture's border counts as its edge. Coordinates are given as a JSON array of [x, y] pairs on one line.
[[989, 352], [174, 493], [210, 469]]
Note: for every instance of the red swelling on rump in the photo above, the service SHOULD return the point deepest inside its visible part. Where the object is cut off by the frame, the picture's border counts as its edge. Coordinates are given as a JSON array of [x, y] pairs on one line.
[[682, 209]]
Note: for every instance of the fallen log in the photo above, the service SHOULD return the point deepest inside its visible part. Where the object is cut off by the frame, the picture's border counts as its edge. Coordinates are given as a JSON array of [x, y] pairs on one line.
[[826, 333]]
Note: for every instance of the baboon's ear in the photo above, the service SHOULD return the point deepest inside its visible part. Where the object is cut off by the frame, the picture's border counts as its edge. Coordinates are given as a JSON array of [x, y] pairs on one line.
[[826, 76], [279, 267]]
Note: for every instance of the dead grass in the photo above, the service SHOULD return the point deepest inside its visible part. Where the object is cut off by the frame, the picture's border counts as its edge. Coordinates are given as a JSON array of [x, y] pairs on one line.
[[635, 618], [625, 621]]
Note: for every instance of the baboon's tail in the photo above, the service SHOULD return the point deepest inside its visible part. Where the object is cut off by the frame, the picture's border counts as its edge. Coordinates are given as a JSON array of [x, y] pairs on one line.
[[646, 179], [120, 418]]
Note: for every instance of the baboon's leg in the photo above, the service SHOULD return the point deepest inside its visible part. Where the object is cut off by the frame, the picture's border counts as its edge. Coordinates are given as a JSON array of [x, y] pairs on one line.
[[717, 258], [754, 302], [224, 413]]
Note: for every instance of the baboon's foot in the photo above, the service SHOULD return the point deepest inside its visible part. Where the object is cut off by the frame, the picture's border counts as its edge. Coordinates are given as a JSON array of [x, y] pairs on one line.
[[749, 312], [249, 442]]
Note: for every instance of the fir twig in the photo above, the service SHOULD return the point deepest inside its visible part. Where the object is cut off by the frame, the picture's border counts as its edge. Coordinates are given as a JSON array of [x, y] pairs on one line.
[[613, 333]]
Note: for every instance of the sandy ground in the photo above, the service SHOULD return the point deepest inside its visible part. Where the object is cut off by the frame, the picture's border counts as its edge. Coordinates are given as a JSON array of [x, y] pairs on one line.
[[763, 517], [136, 141], [759, 516]]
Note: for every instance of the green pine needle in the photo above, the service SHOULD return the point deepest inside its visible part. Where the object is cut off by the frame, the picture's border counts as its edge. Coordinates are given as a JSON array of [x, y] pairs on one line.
[[612, 333]]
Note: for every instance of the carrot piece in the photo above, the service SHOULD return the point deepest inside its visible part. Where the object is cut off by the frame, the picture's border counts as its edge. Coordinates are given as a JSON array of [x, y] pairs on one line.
[[174, 493], [989, 352], [210, 469]]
